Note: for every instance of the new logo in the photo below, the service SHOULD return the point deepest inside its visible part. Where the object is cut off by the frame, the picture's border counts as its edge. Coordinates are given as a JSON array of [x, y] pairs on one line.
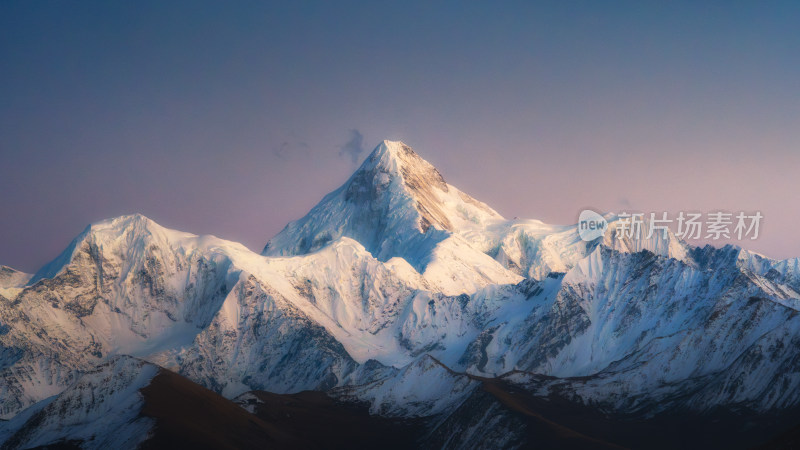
[[591, 225]]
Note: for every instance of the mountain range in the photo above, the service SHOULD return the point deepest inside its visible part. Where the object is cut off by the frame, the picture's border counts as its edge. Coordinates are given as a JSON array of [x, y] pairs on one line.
[[399, 312]]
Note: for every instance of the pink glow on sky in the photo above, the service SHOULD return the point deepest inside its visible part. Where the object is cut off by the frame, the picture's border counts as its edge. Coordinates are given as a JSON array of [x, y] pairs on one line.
[[231, 121]]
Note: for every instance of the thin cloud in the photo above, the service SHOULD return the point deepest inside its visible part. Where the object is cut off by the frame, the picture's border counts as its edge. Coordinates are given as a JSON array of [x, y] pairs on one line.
[[354, 147], [287, 150]]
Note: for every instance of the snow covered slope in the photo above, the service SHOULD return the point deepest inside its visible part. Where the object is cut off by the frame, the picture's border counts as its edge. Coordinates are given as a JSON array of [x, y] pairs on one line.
[[392, 290], [398, 205], [124, 286], [130, 287], [101, 410], [12, 281]]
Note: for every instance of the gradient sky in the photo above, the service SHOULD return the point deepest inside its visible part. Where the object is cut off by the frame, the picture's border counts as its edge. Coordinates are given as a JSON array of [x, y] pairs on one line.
[[233, 118]]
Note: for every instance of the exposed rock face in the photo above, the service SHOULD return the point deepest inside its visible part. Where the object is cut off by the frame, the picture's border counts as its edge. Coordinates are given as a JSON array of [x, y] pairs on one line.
[[259, 340], [423, 180]]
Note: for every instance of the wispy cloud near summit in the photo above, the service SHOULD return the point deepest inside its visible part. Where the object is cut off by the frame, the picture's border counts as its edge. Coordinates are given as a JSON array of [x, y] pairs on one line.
[[354, 147]]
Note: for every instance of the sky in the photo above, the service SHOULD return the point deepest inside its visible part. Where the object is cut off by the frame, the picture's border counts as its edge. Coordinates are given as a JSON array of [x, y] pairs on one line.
[[234, 118]]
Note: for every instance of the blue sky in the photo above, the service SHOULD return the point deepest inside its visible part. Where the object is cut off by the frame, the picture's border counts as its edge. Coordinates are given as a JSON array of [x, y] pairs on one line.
[[230, 118]]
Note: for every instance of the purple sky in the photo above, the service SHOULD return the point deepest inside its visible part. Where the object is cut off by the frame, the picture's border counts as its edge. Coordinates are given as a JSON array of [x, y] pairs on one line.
[[235, 120]]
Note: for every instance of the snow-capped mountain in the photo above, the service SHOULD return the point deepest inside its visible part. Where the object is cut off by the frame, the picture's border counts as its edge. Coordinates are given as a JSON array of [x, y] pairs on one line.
[[400, 291], [397, 205]]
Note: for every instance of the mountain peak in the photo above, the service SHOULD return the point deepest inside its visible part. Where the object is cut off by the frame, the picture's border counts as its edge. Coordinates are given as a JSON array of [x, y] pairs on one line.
[[391, 148], [394, 160], [126, 231], [398, 158], [395, 204]]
